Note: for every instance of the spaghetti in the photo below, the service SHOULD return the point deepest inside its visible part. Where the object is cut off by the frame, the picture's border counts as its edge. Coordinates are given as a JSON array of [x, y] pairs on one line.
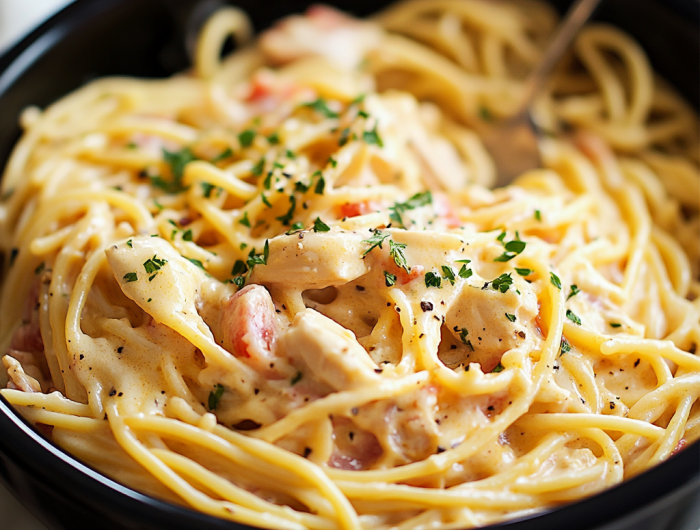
[[279, 290]]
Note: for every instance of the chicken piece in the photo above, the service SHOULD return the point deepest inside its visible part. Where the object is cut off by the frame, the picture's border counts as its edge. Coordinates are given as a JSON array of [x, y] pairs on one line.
[[323, 31], [313, 261], [331, 352], [483, 313]]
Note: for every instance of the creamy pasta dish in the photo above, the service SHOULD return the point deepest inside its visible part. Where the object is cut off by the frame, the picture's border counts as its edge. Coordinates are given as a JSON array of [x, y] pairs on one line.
[[281, 288]]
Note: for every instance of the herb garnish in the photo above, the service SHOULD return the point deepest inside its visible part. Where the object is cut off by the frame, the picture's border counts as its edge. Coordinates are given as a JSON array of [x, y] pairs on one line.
[[564, 347], [244, 220], [510, 317], [574, 291], [513, 248], [573, 317], [378, 237], [215, 396], [556, 282], [296, 378], [448, 274], [372, 137], [389, 279], [187, 235], [344, 135], [129, 244], [153, 265], [399, 208], [524, 272], [196, 262], [321, 107], [226, 153], [130, 277], [396, 252], [615, 325], [320, 226], [538, 215], [499, 368], [258, 168], [246, 138], [321, 184], [286, 218], [433, 280], [502, 283]]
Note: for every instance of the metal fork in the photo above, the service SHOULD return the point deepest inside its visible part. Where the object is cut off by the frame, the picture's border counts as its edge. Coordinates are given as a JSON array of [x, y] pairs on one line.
[[513, 142]]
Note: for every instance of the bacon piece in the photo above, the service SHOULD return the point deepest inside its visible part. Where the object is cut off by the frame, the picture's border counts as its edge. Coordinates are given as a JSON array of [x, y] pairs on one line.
[[249, 325]]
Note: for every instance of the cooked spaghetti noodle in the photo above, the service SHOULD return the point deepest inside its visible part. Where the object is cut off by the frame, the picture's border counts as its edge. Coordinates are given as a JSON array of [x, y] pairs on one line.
[[279, 290]]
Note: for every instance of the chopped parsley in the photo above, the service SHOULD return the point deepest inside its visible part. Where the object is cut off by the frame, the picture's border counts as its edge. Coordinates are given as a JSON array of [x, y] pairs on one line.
[[615, 325], [358, 100], [556, 282], [258, 168], [265, 201], [389, 279], [376, 240], [239, 268], [321, 184], [246, 138], [399, 208], [215, 396], [524, 272], [320, 226], [296, 378], [464, 272], [513, 248], [129, 244], [502, 283], [295, 228], [463, 333], [448, 274], [287, 217], [433, 280], [130, 277], [396, 253], [321, 107], [226, 153], [499, 368], [573, 317], [267, 183], [153, 265], [207, 188], [13, 255], [259, 259], [564, 347], [187, 235], [510, 317], [538, 215], [177, 160], [485, 114], [273, 139], [244, 220], [195, 262], [301, 187], [344, 135], [372, 137], [332, 161], [574, 291]]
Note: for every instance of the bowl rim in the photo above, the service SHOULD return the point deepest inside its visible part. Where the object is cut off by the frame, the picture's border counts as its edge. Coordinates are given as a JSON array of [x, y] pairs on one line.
[[29, 449]]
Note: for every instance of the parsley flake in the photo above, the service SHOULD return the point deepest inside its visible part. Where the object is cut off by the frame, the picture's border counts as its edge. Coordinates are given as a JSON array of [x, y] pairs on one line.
[[129, 244], [464, 272], [615, 325], [273, 139], [389, 279], [226, 153], [187, 235], [320, 226], [538, 215], [524, 272], [433, 280], [196, 262], [499, 368], [244, 220], [574, 291], [130, 277], [510, 317], [564, 347], [215, 396], [448, 274], [372, 137], [572, 316], [246, 138], [378, 237], [296, 378], [502, 283], [287, 217], [396, 252], [321, 107], [556, 282], [416, 201]]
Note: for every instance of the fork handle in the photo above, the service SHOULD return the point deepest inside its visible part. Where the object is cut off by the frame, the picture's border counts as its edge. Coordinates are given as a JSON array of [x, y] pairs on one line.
[[577, 15]]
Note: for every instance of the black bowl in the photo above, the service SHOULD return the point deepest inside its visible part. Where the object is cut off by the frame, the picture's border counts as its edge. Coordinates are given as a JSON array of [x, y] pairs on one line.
[[147, 38]]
